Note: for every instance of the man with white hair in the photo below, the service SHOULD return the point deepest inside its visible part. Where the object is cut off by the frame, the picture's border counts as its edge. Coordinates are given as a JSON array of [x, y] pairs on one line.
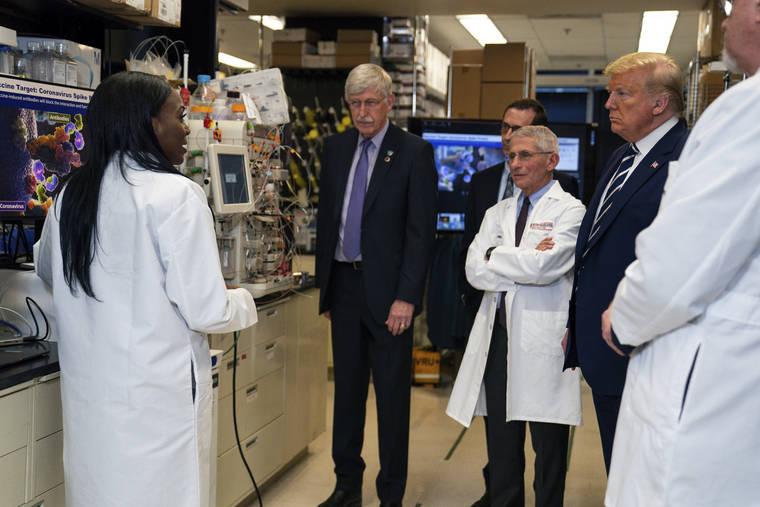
[[690, 304], [375, 233], [522, 257]]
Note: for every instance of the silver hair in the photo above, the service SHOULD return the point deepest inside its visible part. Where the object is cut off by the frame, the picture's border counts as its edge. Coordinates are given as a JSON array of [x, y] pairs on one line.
[[366, 76], [545, 139]]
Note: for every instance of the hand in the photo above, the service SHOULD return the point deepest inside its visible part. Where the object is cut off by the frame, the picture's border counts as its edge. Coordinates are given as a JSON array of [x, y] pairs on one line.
[[546, 244], [399, 317], [327, 315], [607, 330]]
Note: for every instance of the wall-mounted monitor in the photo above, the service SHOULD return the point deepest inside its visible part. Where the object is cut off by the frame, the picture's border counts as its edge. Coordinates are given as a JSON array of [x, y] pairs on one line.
[[463, 147], [230, 174]]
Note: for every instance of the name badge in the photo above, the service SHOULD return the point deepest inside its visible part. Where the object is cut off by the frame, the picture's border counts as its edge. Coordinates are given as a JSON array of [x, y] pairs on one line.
[[542, 226]]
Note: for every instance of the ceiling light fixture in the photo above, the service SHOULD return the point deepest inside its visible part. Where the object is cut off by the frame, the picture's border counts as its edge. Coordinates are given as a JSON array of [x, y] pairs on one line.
[[482, 29], [234, 61], [656, 29], [271, 22]]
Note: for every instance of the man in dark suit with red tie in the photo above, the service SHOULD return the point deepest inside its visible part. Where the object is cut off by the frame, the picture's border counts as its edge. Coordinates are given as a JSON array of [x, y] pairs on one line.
[[645, 102], [488, 187], [375, 232]]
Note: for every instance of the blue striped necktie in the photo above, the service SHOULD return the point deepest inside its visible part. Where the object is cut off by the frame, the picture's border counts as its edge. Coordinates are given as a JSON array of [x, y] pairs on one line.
[[616, 183]]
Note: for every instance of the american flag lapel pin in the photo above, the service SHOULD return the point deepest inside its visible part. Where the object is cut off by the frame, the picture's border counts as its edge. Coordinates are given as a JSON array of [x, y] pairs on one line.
[[655, 164]]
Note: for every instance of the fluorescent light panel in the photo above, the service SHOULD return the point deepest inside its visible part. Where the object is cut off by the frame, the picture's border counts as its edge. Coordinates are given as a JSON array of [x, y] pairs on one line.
[[234, 61], [656, 29], [271, 22], [482, 29]]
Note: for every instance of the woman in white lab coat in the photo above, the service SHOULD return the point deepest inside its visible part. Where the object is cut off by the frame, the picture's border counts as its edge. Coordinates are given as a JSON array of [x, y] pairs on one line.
[[130, 252], [537, 286]]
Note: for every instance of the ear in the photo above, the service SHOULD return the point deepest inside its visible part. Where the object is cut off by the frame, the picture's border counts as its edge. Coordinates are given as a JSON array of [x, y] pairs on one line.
[[156, 125], [392, 98], [661, 104], [553, 161]]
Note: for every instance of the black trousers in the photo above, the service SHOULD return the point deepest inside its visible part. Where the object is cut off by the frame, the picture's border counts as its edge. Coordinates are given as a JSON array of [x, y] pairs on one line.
[[361, 345], [607, 408], [506, 442]]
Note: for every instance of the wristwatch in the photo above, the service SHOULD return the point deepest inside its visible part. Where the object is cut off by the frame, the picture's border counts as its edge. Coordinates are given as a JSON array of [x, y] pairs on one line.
[[488, 253]]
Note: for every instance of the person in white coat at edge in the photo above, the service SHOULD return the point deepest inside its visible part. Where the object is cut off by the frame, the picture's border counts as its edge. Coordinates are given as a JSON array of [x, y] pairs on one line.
[[690, 304], [130, 252], [524, 249]]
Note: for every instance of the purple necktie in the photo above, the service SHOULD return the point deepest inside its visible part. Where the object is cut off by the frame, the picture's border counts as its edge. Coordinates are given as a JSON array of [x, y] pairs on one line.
[[353, 226], [522, 219]]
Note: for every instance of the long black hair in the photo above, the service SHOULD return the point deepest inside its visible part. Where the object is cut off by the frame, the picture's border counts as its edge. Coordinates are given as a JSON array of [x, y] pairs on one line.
[[117, 123]]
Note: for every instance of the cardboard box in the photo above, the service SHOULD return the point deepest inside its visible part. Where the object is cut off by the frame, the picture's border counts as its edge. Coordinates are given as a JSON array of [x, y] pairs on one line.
[[465, 91], [494, 97], [296, 35], [293, 48], [120, 7], [426, 365], [398, 50], [349, 61], [710, 35], [353, 35], [505, 62], [162, 13], [8, 37], [287, 60], [327, 47], [318, 61], [467, 56], [88, 60], [357, 48]]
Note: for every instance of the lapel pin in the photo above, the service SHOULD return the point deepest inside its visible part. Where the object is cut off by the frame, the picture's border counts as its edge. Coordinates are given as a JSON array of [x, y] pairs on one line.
[[388, 155], [655, 164]]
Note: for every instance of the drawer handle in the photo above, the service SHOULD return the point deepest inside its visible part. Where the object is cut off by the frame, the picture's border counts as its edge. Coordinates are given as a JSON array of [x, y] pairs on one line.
[[252, 442], [270, 346], [271, 313], [252, 390]]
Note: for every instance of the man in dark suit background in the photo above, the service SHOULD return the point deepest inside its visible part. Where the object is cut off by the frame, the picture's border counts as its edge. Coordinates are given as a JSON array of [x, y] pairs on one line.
[[375, 231], [488, 187], [645, 102]]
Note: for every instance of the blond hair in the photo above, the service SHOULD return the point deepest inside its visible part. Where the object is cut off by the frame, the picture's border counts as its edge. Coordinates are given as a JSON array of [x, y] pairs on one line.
[[664, 75]]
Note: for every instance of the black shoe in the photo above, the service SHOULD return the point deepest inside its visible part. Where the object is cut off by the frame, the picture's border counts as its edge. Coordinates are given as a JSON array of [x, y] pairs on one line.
[[390, 504], [341, 498], [483, 501]]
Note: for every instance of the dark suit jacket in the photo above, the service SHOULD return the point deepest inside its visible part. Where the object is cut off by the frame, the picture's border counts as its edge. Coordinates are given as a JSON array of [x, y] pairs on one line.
[[484, 189], [610, 252], [398, 221]]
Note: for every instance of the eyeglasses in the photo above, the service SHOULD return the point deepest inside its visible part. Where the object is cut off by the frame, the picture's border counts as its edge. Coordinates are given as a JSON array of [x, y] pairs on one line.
[[506, 127], [526, 155], [368, 104]]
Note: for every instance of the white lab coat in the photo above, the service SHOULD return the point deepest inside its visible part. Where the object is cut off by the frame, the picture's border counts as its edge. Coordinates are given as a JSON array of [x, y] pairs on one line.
[[133, 435], [687, 433], [537, 286]]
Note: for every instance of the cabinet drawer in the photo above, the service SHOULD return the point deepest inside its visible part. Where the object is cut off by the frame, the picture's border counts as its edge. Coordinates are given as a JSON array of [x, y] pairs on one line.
[[256, 404], [13, 477], [15, 412], [272, 324], [48, 463], [267, 357], [47, 408], [263, 451], [243, 372]]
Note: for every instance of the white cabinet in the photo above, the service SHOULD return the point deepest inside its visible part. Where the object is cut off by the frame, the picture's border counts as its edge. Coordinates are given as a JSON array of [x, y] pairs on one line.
[[31, 444], [280, 395]]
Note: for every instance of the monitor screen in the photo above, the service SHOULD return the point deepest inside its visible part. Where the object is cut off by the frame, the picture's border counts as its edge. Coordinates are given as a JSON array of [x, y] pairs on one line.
[[41, 140], [230, 175], [232, 172], [463, 147]]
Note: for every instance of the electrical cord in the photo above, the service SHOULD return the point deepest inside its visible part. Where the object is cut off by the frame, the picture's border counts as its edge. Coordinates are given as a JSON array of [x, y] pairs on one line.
[[30, 337], [234, 418]]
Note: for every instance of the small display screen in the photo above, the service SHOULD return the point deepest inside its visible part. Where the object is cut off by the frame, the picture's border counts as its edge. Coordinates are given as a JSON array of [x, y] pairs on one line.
[[232, 171]]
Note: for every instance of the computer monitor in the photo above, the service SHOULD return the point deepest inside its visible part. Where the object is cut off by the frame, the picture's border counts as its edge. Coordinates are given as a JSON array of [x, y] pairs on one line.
[[230, 174], [462, 147]]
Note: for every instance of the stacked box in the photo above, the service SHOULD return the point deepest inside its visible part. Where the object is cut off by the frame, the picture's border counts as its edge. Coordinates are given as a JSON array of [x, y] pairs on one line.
[[466, 76], [710, 35], [507, 76], [291, 48]]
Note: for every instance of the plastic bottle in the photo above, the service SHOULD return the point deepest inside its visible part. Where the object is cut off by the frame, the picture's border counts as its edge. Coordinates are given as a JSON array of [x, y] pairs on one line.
[[22, 66], [236, 106], [6, 60], [70, 63], [56, 61], [40, 68], [202, 99], [221, 110]]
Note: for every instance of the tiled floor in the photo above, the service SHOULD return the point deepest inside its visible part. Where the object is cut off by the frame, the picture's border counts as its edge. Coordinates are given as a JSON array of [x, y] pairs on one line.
[[434, 481]]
